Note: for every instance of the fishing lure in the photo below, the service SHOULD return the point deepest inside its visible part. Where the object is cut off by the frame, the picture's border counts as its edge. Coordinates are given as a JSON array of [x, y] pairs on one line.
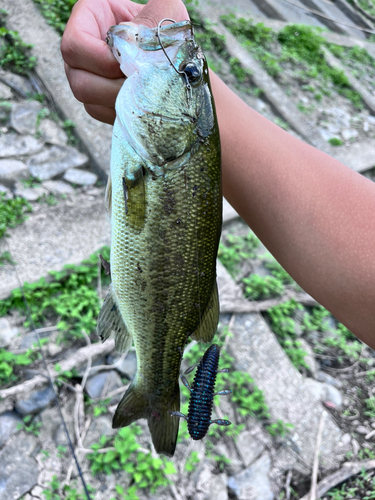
[[202, 394]]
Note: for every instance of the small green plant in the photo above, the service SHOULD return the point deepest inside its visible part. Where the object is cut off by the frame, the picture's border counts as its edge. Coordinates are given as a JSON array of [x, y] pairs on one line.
[[58, 492], [12, 213], [279, 272], [31, 182], [279, 428], [233, 249], [334, 141], [15, 54], [257, 287], [370, 407], [192, 462], [69, 127], [8, 363], [56, 12], [6, 258], [30, 425]]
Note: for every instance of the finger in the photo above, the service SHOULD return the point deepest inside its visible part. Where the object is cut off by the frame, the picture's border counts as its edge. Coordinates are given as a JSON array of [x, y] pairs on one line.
[[93, 89], [155, 10], [83, 45], [101, 113]]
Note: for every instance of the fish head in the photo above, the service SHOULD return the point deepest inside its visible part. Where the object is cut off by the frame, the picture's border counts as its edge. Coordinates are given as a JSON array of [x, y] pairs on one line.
[[161, 103]]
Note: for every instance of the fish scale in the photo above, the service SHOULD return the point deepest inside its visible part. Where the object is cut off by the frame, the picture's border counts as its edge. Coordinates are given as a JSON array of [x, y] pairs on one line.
[[164, 198]]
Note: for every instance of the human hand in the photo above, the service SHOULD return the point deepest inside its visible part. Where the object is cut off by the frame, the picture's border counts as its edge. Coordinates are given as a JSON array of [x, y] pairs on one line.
[[93, 73]]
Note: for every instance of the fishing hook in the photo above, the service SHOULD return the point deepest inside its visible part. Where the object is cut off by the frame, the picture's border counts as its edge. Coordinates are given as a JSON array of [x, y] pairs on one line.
[[188, 86]]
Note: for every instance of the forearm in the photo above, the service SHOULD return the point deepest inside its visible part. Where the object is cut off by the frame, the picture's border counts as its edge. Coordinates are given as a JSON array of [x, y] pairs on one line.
[[314, 214]]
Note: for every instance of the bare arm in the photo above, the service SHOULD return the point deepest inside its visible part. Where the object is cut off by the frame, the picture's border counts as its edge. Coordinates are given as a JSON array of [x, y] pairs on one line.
[[313, 213]]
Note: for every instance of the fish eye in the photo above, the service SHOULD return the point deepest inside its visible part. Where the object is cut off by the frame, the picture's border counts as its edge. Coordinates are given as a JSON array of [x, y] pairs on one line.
[[192, 72]]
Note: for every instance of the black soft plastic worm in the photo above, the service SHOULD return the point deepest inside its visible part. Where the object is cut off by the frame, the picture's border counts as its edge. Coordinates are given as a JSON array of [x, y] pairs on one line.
[[202, 394]]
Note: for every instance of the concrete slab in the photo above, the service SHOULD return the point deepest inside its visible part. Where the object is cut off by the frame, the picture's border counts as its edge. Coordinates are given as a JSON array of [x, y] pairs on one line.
[[24, 17], [288, 395], [293, 13], [54, 236]]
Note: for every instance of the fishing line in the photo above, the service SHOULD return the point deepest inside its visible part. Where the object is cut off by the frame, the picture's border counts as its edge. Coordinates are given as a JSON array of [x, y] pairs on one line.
[[317, 13], [49, 378]]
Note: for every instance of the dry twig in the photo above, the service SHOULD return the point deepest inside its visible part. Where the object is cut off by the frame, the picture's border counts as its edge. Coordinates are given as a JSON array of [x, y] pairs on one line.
[[348, 470], [314, 476]]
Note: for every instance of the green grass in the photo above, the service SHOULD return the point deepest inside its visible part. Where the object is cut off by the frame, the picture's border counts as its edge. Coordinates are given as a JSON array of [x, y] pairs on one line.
[[234, 249], [298, 45], [259, 287], [14, 54], [334, 141], [12, 213], [70, 295], [10, 362], [56, 12]]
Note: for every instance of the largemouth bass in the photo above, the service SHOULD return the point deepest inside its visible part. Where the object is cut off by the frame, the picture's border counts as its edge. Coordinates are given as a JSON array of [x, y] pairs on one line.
[[165, 202]]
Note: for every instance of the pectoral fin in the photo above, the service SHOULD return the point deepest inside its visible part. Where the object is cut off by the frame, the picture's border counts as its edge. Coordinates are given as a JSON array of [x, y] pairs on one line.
[[207, 327], [110, 322]]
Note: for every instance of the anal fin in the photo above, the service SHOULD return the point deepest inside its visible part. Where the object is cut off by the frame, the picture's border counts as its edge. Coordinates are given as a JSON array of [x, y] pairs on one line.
[[207, 328], [110, 322]]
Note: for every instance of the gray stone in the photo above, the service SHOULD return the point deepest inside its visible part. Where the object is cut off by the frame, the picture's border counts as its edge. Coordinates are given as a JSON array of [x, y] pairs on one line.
[[25, 443], [128, 366], [54, 161], [101, 426], [24, 116], [346, 438], [348, 134], [289, 396], [253, 483], [355, 446], [28, 193], [333, 395], [361, 429], [36, 401], [7, 332], [58, 188], [310, 357], [249, 448], [17, 82], [229, 212], [12, 171], [52, 133], [65, 233], [54, 349], [6, 191], [5, 92], [371, 119], [15, 145], [80, 177], [328, 379], [103, 383], [18, 473], [9, 423]]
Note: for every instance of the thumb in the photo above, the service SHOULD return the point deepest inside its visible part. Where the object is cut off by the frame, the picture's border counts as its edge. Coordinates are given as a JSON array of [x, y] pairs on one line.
[[156, 10]]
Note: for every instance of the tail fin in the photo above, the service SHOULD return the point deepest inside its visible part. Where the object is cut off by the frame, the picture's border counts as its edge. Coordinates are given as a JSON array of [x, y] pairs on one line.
[[135, 404], [164, 427]]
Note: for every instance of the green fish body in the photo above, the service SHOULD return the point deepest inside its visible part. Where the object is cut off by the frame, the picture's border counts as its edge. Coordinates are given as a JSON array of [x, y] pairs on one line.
[[165, 203]]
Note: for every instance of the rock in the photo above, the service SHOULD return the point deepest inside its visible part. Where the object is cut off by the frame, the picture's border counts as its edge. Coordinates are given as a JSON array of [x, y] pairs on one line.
[[36, 401], [7, 333], [80, 177], [355, 446], [29, 194], [9, 423], [249, 448], [366, 126], [18, 83], [15, 145], [5, 92], [24, 116], [310, 356], [12, 171], [54, 161], [58, 188], [54, 349], [101, 426], [253, 483], [348, 134], [371, 120], [328, 379], [346, 438], [18, 473], [341, 117], [210, 486], [32, 338], [51, 133], [5, 109], [333, 395], [103, 383], [361, 429], [128, 366], [6, 191], [25, 443]]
